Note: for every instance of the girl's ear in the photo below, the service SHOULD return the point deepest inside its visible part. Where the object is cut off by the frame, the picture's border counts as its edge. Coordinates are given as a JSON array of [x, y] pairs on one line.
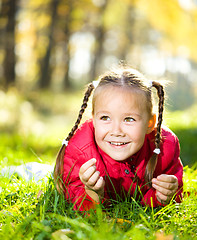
[[151, 123]]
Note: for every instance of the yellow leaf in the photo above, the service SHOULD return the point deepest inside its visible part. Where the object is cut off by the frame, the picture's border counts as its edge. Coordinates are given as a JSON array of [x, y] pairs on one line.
[[162, 236], [121, 220]]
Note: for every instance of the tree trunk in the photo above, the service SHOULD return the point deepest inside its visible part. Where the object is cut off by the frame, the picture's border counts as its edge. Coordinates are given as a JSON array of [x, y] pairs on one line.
[[130, 19], [67, 32], [100, 34], [9, 42], [45, 78]]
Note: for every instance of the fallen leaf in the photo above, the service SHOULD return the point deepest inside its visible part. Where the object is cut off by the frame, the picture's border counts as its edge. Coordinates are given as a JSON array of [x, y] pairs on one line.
[[61, 234], [162, 236], [39, 194]]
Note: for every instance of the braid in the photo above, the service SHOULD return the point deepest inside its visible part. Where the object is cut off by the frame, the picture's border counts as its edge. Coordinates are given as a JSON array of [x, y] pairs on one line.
[[150, 168], [58, 171], [160, 93], [83, 107]]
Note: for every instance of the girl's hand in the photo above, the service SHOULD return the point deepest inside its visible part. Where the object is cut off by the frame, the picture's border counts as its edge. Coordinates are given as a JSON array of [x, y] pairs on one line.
[[166, 186], [90, 177]]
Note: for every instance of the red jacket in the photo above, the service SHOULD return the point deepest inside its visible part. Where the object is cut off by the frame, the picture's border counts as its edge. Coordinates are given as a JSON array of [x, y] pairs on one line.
[[122, 178]]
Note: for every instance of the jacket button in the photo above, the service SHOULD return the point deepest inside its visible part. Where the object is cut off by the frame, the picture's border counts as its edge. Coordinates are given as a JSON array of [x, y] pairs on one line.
[[126, 171]]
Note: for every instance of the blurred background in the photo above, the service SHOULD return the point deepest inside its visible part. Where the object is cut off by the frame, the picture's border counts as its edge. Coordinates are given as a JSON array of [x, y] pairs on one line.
[[50, 49]]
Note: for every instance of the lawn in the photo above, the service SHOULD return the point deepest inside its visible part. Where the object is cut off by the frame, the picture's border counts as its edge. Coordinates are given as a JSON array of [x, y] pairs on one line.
[[31, 131]]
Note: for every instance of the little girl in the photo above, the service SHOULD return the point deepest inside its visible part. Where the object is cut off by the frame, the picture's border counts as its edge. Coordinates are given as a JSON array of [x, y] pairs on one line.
[[119, 153]]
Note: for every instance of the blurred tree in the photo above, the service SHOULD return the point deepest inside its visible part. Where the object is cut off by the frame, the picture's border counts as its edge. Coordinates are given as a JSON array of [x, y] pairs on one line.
[[181, 93], [114, 30], [99, 33], [67, 33], [73, 19], [177, 25], [8, 12], [130, 33], [45, 76]]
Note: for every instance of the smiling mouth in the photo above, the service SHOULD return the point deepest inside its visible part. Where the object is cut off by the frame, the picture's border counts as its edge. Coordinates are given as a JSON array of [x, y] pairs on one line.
[[118, 143]]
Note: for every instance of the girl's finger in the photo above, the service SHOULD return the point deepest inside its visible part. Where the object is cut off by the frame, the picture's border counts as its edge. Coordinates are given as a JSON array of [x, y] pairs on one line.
[[88, 173], [86, 165], [166, 185], [99, 184], [93, 179], [162, 190], [167, 178], [162, 198]]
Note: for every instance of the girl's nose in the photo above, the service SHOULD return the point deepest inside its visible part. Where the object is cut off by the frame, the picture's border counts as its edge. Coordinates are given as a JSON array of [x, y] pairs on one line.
[[116, 130]]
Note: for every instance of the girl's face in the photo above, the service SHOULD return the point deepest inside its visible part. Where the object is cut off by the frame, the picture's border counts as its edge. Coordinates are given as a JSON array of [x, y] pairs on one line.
[[121, 122]]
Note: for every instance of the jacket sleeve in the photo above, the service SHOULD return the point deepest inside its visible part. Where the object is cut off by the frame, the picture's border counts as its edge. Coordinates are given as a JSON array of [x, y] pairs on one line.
[[74, 190], [168, 163]]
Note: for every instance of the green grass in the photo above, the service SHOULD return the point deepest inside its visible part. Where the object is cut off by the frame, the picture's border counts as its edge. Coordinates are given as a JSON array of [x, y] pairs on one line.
[[31, 130], [32, 211], [184, 124]]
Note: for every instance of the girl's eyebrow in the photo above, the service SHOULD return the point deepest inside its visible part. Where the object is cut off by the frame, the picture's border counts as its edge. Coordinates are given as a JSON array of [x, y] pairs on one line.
[[103, 112], [131, 114], [125, 114]]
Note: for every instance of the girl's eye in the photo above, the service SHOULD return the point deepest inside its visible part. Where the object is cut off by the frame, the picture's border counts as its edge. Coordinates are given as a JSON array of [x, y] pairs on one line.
[[129, 119], [105, 118]]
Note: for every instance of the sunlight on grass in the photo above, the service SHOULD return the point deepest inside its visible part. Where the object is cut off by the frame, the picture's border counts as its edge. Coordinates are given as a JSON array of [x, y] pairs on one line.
[[184, 124], [182, 119], [33, 126]]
